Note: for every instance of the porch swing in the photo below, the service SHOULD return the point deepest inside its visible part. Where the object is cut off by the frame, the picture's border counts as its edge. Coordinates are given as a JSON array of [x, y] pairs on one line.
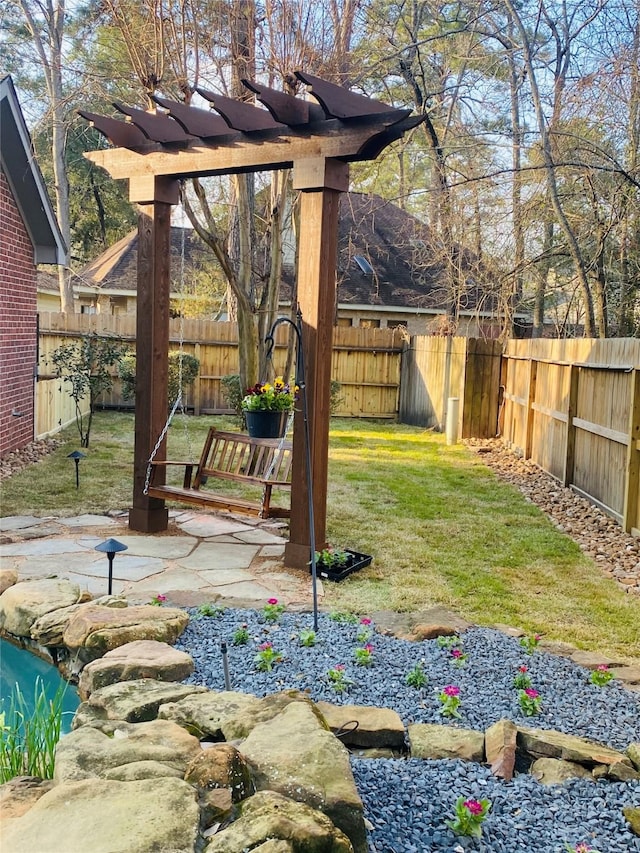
[[230, 456]]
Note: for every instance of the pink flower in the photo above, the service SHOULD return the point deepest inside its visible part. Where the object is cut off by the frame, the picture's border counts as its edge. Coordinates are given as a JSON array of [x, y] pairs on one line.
[[583, 847], [368, 647], [603, 668], [531, 693], [523, 669], [457, 653], [537, 637], [451, 690], [473, 806], [265, 646], [365, 620], [339, 667], [161, 597], [272, 601]]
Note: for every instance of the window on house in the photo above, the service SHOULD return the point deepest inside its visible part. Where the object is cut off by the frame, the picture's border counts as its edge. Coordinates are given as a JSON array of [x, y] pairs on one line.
[[367, 323], [396, 324], [345, 321]]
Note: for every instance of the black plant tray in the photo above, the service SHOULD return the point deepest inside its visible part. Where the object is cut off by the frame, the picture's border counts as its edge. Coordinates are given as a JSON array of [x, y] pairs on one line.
[[355, 561]]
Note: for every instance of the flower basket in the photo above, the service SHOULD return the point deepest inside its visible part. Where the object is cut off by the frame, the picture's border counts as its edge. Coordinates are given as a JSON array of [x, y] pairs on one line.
[[266, 424], [332, 570]]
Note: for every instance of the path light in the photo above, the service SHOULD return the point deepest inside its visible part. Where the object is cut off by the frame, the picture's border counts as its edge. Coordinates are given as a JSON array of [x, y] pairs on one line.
[[111, 547], [77, 456]]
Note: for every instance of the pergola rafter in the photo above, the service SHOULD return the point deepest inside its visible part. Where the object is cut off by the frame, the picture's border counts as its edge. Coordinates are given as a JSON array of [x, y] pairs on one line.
[[155, 150]]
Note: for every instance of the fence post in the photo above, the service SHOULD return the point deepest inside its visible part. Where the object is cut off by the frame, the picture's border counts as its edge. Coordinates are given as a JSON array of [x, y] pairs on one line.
[[632, 484], [531, 396], [570, 439], [197, 385]]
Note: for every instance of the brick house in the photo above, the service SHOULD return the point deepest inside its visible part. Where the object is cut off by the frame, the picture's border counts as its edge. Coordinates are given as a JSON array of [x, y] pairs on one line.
[[29, 235]]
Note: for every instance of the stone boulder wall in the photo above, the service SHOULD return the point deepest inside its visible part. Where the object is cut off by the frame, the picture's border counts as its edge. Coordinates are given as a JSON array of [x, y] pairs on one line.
[[25, 602], [295, 755], [132, 701], [279, 825], [96, 630], [48, 630], [159, 745], [104, 816], [140, 659]]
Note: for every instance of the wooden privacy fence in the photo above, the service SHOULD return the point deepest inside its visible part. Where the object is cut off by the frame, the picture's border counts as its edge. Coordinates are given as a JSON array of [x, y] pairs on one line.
[[436, 368], [366, 363], [573, 408]]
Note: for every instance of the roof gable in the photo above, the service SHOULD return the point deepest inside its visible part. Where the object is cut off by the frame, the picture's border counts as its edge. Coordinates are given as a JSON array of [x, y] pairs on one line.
[[25, 179]]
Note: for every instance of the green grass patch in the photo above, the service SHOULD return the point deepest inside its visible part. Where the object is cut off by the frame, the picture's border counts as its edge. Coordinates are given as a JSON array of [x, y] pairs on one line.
[[441, 527]]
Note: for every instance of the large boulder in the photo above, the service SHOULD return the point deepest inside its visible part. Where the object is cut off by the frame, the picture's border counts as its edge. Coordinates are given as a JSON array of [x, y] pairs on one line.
[[140, 659], [376, 727], [296, 756], [89, 753], [48, 630], [96, 630], [429, 740], [23, 603], [20, 793], [547, 743], [271, 823], [221, 766], [228, 715], [108, 817], [555, 771], [133, 701], [8, 577], [500, 748], [633, 752], [632, 814], [220, 716]]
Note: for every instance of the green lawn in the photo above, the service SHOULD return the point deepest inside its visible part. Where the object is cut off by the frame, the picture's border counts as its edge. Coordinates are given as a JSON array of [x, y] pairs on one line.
[[441, 527]]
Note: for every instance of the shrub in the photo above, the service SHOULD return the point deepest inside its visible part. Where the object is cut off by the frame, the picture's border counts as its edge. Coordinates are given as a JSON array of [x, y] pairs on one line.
[[190, 369], [85, 365]]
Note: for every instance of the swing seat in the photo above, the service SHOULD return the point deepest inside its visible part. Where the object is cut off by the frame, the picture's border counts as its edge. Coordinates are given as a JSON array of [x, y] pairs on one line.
[[264, 462]]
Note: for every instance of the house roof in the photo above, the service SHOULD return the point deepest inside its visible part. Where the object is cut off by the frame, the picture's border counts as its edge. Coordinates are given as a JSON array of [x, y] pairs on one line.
[[116, 269], [387, 258], [25, 179]]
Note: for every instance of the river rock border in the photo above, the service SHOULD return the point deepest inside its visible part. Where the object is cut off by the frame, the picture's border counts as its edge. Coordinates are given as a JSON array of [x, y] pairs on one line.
[[154, 764]]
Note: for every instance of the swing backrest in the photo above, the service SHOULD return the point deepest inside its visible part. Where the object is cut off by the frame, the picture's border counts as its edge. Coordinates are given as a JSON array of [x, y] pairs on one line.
[[235, 456]]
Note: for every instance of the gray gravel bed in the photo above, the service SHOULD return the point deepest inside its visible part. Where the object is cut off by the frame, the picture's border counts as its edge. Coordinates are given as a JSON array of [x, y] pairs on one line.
[[408, 801]]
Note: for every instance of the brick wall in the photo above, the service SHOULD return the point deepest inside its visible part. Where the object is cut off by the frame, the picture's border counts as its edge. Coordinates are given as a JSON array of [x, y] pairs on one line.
[[18, 331]]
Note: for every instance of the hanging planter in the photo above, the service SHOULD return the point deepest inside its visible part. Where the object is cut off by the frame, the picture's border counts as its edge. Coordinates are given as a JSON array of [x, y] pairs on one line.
[[266, 424], [266, 408]]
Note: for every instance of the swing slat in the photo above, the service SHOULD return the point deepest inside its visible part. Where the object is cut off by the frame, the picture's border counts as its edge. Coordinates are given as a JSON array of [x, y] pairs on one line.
[[264, 462]]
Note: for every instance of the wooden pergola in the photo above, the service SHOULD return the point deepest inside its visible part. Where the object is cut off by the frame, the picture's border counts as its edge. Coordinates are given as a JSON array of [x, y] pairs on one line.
[[317, 140]]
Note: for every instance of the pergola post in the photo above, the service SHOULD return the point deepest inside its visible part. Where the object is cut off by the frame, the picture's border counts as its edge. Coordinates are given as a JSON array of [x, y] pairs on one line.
[[155, 197], [321, 181]]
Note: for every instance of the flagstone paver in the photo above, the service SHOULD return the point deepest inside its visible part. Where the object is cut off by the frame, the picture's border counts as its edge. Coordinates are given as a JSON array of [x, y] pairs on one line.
[[220, 555]]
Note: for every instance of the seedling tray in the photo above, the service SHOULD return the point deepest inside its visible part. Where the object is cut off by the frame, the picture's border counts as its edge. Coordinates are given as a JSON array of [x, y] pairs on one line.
[[355, 562]]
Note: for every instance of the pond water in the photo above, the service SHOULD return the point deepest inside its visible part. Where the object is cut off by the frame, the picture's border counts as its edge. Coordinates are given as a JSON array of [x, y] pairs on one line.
[[22, 667]]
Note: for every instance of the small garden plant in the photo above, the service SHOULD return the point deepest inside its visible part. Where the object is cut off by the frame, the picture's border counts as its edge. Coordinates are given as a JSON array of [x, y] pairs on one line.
[[307, 637], [580, 847], [601, 676], [469, 817], [213, 611], [267, 657], [364, 630], [450, 701], [416, 676], [522, 679], [241, 635], [272, 611], [530, 644], [364, 655], [158, 600], [530, 701], [343, 618], [338, 678]]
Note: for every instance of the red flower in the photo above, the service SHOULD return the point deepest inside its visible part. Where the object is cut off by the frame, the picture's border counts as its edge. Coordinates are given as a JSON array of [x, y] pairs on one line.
[[473, 806], [272, 601]]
